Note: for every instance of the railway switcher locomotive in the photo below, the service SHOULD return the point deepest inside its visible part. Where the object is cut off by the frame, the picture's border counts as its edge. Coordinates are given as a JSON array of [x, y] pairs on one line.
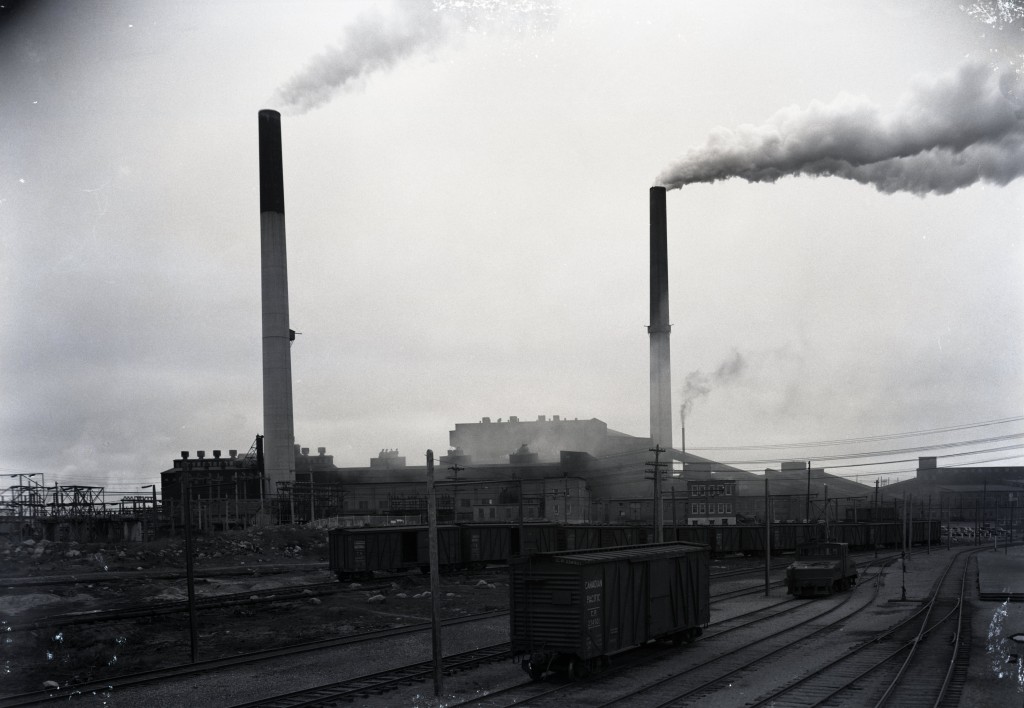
[[820, 569]]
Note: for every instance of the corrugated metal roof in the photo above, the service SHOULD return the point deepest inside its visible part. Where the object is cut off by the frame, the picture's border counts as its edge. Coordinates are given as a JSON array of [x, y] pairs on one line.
[[642, 552]]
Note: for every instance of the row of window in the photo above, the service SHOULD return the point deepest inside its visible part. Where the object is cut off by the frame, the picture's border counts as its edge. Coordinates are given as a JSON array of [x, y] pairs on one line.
[[720, 508], [712, 490]]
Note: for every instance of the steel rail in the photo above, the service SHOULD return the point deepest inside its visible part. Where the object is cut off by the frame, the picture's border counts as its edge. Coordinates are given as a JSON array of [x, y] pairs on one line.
[[143, 677], [862, 649]]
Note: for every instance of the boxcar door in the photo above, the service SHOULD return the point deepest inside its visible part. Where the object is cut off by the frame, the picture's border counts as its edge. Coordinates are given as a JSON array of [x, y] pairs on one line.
[[661, 610]]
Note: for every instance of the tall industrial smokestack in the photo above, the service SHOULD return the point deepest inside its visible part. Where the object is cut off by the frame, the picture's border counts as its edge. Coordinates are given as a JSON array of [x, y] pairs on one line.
[[661, 383], [278, 423]]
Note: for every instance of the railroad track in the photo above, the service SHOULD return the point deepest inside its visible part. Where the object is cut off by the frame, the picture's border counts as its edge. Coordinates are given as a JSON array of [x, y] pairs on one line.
[[295, 592], [560, 691], [911, 664], [700, 676], [252, 597], [383, 681], [144, 677]]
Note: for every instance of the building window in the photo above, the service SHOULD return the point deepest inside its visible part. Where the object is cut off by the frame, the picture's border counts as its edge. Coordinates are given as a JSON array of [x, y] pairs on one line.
[[363, 505], [464, 502], [721, 508], [728, 508], [492, 512], [703, 509], [693, 508]]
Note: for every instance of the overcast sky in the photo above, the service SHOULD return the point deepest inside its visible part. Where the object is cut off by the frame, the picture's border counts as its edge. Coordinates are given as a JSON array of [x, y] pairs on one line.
[[467, 220]]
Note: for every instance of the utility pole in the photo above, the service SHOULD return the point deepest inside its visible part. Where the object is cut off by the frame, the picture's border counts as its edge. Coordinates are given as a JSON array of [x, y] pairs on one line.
[[874, 517], [807, 505], [826, 512], [435, 581], [455, 469], [928, 525], [193, 631], [675, 524], [659, 512], [565, 497], [767, 537]]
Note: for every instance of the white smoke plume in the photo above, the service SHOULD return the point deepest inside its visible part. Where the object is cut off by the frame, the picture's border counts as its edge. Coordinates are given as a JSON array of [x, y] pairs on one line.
[[375, 42], [962, 128], [698, 384]]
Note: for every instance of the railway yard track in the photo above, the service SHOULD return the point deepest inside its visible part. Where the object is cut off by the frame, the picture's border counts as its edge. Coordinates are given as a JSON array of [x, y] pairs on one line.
[[895, 665], [363, 685], [524, 693], [921, 661], [242, 660], [254, 597], [730, 645]]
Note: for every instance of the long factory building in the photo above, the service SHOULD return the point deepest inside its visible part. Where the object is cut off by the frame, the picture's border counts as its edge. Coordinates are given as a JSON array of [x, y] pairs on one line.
[[561, 470]]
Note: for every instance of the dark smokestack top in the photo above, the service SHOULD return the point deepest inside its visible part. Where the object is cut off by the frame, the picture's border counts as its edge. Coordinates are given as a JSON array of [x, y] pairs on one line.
[[659, 262], [271, 167]]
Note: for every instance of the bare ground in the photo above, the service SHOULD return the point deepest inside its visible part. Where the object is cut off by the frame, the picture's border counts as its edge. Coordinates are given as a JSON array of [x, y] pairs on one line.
[[81, 577]]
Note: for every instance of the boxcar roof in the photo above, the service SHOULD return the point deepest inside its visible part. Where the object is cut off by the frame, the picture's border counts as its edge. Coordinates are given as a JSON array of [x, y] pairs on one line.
[[643, 552]]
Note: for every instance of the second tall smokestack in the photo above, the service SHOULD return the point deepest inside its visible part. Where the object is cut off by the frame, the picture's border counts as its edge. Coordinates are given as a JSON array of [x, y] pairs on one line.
[[278, 423], [659, 329]]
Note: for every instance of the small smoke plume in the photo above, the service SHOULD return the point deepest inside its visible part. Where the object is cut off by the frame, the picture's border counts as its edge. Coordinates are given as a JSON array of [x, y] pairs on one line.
[[377, 43], [945, 134], [698, 384]]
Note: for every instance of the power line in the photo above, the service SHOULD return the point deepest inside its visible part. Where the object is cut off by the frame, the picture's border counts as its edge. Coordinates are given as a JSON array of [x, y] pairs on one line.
[[872, 438], [887, 453]]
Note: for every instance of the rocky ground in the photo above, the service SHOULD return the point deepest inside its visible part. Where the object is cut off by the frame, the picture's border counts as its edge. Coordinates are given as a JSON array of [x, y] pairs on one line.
[[39, 580]]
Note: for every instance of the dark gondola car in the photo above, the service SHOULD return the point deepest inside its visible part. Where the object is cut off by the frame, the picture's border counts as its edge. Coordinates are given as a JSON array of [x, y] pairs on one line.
[[821, 568]]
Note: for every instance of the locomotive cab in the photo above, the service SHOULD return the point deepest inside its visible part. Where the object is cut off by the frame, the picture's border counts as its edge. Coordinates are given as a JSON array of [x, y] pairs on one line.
[[820, 568]]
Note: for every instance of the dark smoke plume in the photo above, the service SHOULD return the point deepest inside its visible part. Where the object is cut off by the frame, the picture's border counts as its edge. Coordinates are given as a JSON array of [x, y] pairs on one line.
[[945, 134], [377, 43], [698, 384]]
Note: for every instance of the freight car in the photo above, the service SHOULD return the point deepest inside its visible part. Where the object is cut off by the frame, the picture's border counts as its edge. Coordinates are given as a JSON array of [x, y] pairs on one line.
[[354, 553], [360, 551], [821, 569], [570, 611]]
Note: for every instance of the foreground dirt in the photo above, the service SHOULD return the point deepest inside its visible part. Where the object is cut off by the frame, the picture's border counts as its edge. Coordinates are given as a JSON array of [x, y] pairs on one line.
[[74, 578]]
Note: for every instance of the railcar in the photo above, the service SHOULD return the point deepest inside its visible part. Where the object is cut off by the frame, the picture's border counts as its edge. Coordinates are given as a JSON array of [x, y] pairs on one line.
[[599, 536], [570, 611], [354, 553], [363, 550], [821, 568]]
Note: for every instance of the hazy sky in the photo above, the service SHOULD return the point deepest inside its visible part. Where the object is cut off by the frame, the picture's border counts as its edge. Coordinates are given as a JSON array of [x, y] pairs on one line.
[[466, 190]]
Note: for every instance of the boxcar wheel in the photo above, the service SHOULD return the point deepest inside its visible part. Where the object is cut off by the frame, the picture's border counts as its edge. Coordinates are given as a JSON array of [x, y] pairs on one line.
[[535, 672], [578, 669]]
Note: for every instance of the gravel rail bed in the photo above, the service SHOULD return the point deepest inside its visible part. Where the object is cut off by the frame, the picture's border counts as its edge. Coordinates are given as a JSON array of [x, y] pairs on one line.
[[232, 686]]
